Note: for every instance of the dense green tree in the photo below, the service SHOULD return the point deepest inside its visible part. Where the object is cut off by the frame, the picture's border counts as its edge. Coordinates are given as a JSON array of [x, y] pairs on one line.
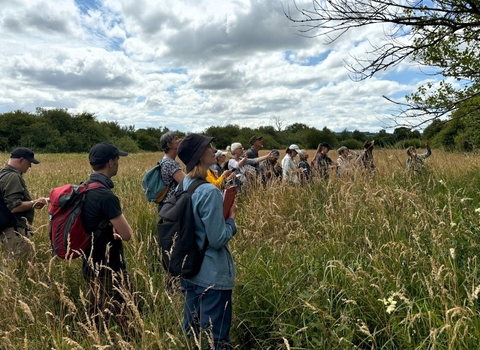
[[359, 136], [326, 135], [57, 130], [352, 144], [404, 133], [223, 135], [296, 127], [311, 138], [446, 137], [14, 125], [384, 139], [59, 119], [344, 135], [267, 130], [119, 131], [126, 143], [433, 129]]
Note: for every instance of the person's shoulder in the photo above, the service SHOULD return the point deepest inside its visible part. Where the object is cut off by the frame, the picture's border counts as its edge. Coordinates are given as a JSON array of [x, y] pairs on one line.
[[170, 165], [10, 176], [206, 189], [100, 193]]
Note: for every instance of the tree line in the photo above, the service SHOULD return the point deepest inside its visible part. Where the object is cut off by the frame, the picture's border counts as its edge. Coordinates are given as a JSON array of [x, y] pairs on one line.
[[59, 131]]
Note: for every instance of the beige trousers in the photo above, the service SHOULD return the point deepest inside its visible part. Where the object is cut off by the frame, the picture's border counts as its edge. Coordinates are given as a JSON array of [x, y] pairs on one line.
[[17, 245]]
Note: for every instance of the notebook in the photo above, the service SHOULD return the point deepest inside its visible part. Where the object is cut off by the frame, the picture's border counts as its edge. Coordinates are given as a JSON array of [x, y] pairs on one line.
[[228, 198]]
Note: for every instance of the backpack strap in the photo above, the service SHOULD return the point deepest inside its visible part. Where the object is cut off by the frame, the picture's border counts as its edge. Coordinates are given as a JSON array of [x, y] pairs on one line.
[[90, 186], [193, 186]]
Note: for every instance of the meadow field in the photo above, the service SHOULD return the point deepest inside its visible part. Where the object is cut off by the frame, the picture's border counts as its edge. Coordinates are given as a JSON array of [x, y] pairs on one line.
[[383, 262]]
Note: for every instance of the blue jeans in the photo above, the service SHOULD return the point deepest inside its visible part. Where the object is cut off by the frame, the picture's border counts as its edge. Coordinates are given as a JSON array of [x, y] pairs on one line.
[[210, 310]]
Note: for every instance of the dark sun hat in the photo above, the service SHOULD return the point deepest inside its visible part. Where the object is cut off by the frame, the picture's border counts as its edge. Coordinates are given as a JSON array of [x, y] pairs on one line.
[[255, 138], [191, 149]]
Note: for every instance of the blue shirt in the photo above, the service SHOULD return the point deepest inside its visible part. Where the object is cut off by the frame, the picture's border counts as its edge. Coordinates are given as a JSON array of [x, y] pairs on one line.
[[218, 270]]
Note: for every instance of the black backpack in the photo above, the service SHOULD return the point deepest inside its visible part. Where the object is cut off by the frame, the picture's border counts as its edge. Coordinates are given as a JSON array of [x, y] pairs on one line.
[[6, 217], [181, 256]]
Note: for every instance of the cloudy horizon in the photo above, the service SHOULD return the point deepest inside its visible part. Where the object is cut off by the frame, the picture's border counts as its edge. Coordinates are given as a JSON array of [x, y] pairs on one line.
[[188, 65]]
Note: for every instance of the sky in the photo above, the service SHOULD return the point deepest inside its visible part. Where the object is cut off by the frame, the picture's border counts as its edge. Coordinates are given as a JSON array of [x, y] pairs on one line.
[[190, 64]]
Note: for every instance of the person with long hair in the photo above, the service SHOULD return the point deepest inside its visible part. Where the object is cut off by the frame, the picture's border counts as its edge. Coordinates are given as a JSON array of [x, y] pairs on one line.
[[365, 160], [323, 163], [208, 295]]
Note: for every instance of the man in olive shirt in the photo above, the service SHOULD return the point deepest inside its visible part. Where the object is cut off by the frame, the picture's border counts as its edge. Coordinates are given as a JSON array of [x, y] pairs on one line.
[[20, 208]]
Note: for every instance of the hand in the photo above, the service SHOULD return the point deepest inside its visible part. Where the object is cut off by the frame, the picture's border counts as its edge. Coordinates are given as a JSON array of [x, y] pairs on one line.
[[116, 236], [233, 210], [40, 203], [227, 173]]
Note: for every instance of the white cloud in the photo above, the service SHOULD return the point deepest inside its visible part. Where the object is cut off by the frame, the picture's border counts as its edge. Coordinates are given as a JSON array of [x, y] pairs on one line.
[[187, 64]]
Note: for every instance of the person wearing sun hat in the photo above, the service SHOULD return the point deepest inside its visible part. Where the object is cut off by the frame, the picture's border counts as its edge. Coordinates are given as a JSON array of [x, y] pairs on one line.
[[270, 168], [289, 167], [208, 295], [365, 160], [17, 207]]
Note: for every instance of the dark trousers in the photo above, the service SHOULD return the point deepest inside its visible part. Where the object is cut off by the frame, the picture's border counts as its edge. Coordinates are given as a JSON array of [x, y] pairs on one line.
[[208, 311], [111, 296]]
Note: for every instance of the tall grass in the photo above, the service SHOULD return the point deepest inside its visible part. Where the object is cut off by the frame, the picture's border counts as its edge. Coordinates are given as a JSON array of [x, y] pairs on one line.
[[383, 262]]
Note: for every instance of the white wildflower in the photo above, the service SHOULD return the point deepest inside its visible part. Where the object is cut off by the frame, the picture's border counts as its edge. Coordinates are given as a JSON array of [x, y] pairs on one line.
[[390, 303], [452, 224], [452, 253]]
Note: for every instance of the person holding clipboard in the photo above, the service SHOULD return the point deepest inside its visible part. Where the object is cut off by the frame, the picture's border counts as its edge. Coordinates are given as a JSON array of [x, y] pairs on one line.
[[208, 295]]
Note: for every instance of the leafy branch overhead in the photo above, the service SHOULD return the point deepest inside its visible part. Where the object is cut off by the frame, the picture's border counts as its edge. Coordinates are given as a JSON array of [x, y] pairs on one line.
[[440, 34]]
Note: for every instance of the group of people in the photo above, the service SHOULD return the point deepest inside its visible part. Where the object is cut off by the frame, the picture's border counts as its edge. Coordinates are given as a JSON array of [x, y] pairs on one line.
[[104, 266], [208, 295], [248, 167]]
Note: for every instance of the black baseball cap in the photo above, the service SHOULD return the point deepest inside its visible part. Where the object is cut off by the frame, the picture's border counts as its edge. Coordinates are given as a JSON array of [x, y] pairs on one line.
[[102, 152], [25, 153]]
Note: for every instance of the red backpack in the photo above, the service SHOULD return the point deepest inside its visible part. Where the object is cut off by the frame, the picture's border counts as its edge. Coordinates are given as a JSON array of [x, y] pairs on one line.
[[68, 237]]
